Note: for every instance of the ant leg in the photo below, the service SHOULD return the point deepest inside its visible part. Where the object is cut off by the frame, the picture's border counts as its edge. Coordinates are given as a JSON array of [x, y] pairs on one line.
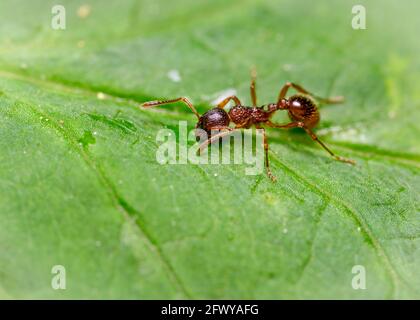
[[300, 89], [315, 138], [312, 135], [183, 99], [217, 136], [252, 87], [267, 164], [282, 126], [225, 101]]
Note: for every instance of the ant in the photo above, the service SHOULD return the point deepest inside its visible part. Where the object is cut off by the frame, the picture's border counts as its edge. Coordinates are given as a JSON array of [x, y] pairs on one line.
[[301, 108]]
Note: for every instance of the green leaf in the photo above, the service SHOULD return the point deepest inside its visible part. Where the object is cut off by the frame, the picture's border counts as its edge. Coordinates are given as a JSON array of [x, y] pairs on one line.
[[81, 188]]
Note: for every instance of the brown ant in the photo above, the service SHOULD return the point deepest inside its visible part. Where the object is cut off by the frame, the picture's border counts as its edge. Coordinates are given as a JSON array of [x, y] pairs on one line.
[[301, 108]]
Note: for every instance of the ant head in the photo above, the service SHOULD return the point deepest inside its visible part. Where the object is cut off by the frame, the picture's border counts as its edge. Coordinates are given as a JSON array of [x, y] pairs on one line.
[[214, 118]]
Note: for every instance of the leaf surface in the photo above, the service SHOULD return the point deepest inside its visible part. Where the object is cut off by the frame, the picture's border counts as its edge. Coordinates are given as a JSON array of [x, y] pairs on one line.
[[80, 185]]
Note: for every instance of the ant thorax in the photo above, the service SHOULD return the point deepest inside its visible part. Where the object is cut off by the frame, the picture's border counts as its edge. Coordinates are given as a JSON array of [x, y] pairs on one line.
[[240, 114], [248, 116]]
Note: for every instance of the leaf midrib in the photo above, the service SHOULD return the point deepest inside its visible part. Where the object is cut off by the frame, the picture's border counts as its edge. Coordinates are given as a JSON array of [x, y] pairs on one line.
[[129, 213]]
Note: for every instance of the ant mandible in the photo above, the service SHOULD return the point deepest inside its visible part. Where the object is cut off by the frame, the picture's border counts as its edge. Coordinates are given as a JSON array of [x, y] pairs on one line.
[[301, 108]]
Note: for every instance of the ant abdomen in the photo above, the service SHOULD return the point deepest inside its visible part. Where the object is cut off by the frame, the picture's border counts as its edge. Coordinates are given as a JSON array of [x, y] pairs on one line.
[[215, 118], [303, 109]]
